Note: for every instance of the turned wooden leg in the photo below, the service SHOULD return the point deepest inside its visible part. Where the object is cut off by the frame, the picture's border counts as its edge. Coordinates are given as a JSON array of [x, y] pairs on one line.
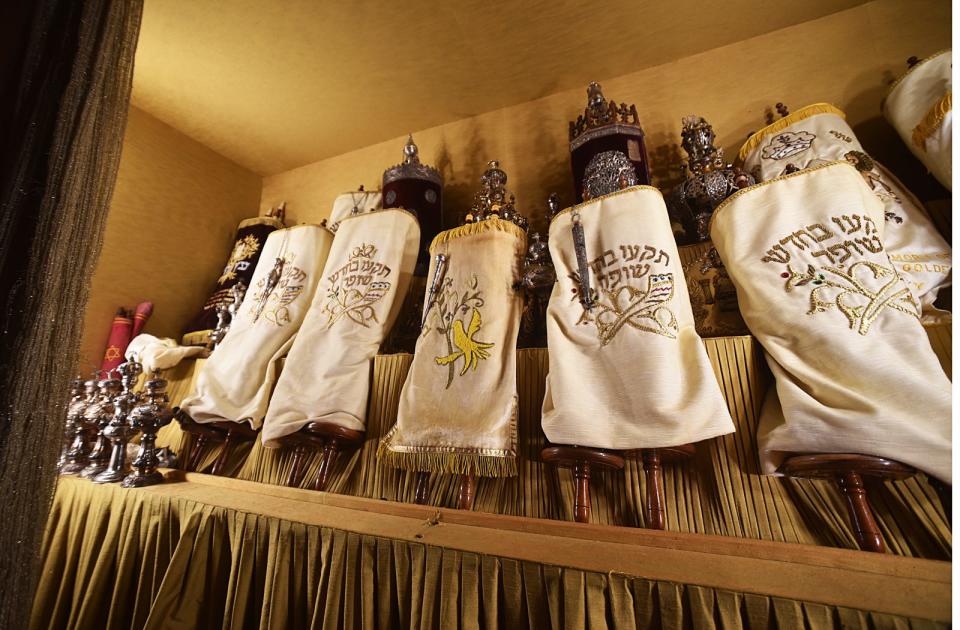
[[198, 444], [467, 490], [298, 466], [652, 469], [581, 498], [331, 451], [422, 491], [861, 516], [221, 462]]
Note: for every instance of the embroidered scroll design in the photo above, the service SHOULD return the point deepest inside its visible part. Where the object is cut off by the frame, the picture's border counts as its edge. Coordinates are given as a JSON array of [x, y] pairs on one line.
[[787, 144], [619, 299], [456, 315], [243, 250], [276, 300], [645, 310], [854, 294], [356, 287]]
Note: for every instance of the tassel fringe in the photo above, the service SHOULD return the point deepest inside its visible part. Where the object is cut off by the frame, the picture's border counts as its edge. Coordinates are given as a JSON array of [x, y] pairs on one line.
[[932, 121], [470, 229], [804, 112], [456, 463]]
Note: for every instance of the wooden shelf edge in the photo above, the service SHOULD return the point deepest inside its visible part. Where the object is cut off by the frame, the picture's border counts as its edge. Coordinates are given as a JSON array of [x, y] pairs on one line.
[[867, 581]]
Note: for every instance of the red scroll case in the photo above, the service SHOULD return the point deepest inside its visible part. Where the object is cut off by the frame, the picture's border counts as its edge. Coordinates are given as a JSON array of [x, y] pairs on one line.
[[120, 335], [140, 317]]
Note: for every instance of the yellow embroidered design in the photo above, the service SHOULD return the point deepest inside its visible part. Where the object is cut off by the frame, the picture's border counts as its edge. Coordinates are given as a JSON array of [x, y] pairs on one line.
[[448, 317], [243, 249], [850, 293], [469, 349], [645, 310], [355, 287]]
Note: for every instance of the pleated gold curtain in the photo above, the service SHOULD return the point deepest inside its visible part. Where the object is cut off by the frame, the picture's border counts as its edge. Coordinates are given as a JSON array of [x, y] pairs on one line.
[[121, 559], [719, 492]]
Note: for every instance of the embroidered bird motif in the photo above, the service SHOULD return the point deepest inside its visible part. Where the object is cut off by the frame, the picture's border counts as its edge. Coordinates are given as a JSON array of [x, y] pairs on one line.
[[470, 349]]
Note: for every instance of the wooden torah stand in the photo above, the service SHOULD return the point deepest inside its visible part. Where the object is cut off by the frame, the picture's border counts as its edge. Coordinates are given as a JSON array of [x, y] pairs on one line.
[[467, 491], [582, 459], [653, 460], [204, 435], [848, 471], [326, 437]]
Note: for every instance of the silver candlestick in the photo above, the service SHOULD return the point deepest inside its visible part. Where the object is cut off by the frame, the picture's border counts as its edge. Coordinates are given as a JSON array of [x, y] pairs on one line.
[[99, 414], [149, 416], [76, 455], [119, 431], [69, 427]]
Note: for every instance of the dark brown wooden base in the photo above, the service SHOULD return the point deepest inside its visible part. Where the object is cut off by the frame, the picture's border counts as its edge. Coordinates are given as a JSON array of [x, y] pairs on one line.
[[328, 438], [848, 471], [204, 435], [581, 459], [653, 460]]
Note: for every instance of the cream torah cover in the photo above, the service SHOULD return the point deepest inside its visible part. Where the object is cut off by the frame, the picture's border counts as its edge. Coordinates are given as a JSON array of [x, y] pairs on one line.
[[353, 203], [854, 369], [458, 406], [818, 134], [235, 382], [326, 376], [632, 372], [920, 107]]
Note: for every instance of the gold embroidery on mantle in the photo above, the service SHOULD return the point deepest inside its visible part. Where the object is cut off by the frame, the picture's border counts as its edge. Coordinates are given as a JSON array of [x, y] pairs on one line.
[[244, 248], [356, 287], [448, 316], [849, 292], [644, 310]]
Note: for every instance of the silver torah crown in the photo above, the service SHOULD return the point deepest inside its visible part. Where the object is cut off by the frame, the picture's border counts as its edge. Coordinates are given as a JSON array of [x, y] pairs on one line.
[[411, 167], [608, 172], [709, 180], [493, 200]]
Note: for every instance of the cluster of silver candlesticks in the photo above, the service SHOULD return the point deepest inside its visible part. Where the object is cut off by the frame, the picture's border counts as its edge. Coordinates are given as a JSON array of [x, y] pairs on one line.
[[104, 414]]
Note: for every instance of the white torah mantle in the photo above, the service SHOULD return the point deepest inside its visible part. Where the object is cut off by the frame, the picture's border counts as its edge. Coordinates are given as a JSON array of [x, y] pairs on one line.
[[818, 134], [920, 107], [631, 372], [458, 406], [326, 376], [234, 383], [854, 369]]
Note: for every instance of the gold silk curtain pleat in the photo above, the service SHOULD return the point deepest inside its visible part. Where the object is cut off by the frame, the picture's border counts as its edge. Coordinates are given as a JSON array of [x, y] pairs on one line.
[[131, 559], [720, 491]]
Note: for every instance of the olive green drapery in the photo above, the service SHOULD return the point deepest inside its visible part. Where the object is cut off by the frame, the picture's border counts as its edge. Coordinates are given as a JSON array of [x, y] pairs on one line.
[[720, 492], [65, 77], [161, 558]]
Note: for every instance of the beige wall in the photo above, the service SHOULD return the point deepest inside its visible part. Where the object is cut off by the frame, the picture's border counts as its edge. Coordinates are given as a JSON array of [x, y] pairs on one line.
[[171, 224], [846, 58]]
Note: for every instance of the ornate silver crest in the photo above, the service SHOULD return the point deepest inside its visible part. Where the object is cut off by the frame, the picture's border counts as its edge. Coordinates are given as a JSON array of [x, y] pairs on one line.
[[608, 172]]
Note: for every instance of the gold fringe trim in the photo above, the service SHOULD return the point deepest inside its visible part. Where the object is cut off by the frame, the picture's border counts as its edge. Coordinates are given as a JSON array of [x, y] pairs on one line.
[[275, 222], [804, 112], [471, 229], [932, 121], [455, 463], [196, 338]]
